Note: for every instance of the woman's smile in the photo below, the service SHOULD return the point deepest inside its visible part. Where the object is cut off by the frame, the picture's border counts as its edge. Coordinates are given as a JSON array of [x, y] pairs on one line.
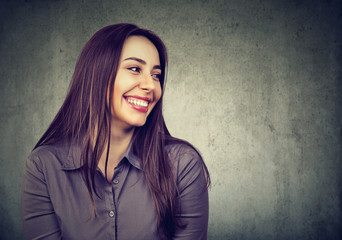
[[138, 103]]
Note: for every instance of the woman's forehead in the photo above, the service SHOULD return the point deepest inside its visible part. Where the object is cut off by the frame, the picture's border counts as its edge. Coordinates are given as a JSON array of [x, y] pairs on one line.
[[142, 48]]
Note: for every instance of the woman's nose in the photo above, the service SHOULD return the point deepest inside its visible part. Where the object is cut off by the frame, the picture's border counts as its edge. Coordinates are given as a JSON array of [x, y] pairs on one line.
[[147, 82]]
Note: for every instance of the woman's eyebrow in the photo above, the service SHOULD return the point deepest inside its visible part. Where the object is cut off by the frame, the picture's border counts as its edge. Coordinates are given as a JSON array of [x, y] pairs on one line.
[[141, 61], [136, 59]]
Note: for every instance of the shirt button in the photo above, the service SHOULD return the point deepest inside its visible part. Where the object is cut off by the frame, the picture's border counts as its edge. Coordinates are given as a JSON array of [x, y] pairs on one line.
[[115, 181], [111, 214]]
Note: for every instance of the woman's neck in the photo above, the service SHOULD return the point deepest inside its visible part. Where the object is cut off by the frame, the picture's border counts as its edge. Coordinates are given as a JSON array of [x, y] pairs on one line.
[[119, 142]]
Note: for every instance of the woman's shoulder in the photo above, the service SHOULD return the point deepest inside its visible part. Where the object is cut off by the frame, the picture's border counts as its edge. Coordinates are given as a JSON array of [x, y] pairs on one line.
[[181, 150], [49, 155], [184, 158]]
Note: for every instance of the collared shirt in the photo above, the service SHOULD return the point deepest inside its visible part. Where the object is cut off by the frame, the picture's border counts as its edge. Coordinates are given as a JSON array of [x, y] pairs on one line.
[[56, 203]]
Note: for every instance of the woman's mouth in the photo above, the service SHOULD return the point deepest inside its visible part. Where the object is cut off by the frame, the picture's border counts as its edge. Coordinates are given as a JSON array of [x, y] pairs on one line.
[[138, 103]]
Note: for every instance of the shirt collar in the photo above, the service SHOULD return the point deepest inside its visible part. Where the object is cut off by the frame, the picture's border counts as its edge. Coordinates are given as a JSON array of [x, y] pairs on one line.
[[132, 158], [74, 162]]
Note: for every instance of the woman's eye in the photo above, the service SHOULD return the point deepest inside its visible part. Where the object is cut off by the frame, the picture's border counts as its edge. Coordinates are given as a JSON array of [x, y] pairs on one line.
[[156, 76], [134, 69]]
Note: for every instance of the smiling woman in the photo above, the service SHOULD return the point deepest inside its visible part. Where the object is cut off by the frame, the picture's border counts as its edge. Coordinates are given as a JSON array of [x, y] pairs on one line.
[[107, 167], [137, 88]]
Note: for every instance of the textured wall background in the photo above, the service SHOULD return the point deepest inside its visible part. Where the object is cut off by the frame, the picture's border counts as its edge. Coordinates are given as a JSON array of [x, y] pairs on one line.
[[255, 85]]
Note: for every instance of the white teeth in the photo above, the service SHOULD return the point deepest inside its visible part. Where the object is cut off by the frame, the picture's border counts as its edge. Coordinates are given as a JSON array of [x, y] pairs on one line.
[[137, 102]]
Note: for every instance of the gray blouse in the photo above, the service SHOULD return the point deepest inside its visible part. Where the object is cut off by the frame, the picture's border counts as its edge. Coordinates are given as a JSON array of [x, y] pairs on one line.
[[56, 203]]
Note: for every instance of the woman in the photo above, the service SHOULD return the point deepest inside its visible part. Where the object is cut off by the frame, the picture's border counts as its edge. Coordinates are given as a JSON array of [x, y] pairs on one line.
[[107, 167]]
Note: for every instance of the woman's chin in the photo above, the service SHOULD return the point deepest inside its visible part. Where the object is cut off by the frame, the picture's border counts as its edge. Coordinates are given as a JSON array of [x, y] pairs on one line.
[[137, 123]]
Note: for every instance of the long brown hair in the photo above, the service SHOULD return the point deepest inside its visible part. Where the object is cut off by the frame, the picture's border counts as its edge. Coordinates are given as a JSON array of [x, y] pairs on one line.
[[85, 116]]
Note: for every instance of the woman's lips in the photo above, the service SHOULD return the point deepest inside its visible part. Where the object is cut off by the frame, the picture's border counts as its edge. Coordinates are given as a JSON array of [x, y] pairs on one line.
[[138, 103]]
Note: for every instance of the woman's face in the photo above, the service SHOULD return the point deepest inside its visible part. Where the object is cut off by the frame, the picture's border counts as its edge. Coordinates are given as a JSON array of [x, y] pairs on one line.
[[136, 88]]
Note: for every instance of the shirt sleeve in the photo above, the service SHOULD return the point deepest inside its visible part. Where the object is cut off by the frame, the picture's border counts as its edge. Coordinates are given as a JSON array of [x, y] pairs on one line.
[[38, 216], [193, 193]]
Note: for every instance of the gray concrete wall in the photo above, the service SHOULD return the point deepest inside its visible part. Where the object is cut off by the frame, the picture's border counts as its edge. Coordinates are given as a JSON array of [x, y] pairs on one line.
[[255, 85]]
